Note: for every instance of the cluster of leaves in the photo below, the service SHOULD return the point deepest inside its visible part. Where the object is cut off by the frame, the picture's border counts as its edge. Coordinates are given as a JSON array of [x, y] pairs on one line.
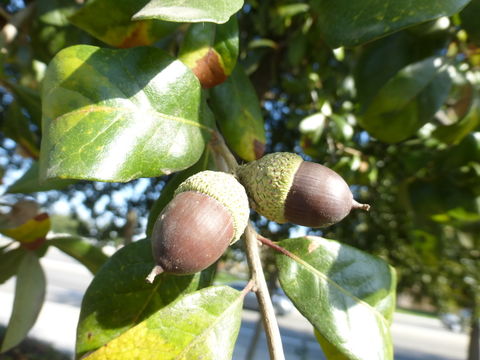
[[139, 93]]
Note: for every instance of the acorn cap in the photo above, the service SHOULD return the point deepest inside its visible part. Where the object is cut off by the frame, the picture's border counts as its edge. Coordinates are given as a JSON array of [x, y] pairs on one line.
[[225, 189], [268, 181]]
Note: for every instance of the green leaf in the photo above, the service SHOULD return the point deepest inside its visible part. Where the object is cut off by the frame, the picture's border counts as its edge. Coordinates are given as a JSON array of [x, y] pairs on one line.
[[347, 23], [29, 297], [81, 250], [117, 115], [30, 182], [9, 263], [217, 11], [238, 113], [407, 101], [211, 51], [376, 65], [119, 297], [201, 325], [16, 126], [346, 294], [455, 133], [117, 29], [205, 162]]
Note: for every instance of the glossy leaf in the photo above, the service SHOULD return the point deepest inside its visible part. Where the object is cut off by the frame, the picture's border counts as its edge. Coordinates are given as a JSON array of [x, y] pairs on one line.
[[81, 250], [238, 113], [211, 51], [205, 162], [407, 101], [29, 296], [119, 297], [353, 295], [217, 11], [9, 262], [201, 325], [117, 29], [30, 182], [117, 115], [347, 23]]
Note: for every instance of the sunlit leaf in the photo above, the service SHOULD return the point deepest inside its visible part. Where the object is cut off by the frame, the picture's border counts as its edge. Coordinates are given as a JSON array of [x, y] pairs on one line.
[[117, 29], [117, 115], [201, 325], [119, 297], [349, 23], [217, 11], [29, 297], [346, 294], [25, 224], [211, 51]]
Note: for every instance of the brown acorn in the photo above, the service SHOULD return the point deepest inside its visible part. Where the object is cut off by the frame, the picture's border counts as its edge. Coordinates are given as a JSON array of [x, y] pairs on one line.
[[285, 188], [208, 212]]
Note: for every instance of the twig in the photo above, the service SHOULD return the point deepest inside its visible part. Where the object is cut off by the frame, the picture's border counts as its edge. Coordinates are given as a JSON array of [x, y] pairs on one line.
[[219, 147], [274, 340], [272, 332]]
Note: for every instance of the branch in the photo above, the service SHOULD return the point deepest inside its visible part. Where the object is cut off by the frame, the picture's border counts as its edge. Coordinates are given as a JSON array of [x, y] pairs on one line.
[[274, 340], [272, 331]]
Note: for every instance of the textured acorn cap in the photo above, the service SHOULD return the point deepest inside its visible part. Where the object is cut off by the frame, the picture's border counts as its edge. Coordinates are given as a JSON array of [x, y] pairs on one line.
[[227, 190], [268, 182]]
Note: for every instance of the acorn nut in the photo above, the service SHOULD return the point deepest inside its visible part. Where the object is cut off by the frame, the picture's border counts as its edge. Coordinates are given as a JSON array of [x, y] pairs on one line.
[[209, 212], [285, 188]]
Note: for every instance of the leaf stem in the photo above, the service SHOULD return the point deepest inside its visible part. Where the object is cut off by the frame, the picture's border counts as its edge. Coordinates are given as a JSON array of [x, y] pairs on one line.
[[276, 247], [228, 163]]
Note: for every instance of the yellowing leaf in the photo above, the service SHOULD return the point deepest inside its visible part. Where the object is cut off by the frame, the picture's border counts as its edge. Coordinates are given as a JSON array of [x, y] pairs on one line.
[[200, 325]]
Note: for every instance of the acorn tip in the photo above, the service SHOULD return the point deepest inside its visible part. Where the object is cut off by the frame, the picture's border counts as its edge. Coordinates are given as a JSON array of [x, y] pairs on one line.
[[357, 205]]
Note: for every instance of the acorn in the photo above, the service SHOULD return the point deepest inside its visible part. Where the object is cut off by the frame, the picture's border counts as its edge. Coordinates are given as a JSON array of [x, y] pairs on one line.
[[209, 211], [284, 188]]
